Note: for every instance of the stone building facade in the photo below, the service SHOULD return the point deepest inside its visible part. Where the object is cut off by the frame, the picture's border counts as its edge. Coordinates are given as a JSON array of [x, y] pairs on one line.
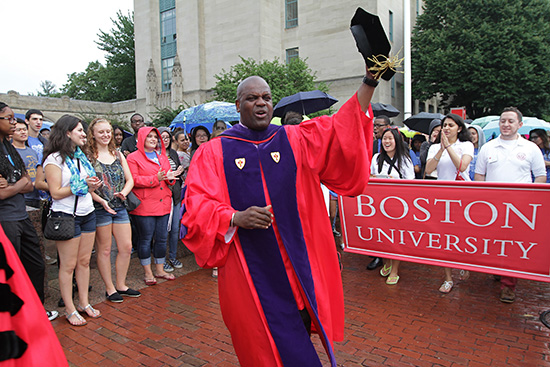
[[182, 44]]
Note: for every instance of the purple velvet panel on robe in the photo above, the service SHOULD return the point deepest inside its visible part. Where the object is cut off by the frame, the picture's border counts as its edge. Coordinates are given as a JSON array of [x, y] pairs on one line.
[[274, 158]]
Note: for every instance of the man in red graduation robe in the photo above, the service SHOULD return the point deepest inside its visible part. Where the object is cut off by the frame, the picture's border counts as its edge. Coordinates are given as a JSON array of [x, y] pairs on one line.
[[254, 209]]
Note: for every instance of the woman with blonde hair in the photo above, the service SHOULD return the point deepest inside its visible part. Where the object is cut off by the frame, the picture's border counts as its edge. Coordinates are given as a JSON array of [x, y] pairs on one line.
[[111, 215]]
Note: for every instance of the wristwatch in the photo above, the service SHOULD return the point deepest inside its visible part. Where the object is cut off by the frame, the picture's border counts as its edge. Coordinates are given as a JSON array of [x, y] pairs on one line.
[[370, 82]]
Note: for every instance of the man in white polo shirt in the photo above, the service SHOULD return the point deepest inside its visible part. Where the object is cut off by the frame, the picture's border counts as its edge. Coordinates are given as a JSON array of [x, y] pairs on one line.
[[510, 158]]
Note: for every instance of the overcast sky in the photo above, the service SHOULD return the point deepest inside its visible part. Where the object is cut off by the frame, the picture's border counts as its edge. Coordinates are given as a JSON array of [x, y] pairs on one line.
[[46, 40]]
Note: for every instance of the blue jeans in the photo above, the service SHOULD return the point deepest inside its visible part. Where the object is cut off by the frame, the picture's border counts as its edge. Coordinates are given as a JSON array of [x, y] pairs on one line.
[[150, 228], [174, 232]]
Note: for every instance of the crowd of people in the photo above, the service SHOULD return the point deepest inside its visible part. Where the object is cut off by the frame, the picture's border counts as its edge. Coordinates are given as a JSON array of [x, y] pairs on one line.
[[454, 151], [88, 172], [91, 173]]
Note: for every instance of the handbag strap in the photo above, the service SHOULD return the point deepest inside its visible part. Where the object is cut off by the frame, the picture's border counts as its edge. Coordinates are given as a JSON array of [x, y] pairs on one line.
[[76, 196]]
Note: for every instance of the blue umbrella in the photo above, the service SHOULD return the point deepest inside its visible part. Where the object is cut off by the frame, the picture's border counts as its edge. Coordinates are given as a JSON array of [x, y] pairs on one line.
[[205, 114], [304, 103], [529, 123]]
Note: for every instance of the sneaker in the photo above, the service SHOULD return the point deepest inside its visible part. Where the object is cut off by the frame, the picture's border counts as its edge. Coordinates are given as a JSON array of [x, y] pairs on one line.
[[507, 295], [49, 260], [129, 293], [52, 315], [167, 267], [115, 297], [176, 263]]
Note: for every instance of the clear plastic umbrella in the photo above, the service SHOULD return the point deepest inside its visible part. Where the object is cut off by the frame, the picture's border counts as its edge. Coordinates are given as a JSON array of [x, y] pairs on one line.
[[529, 123]]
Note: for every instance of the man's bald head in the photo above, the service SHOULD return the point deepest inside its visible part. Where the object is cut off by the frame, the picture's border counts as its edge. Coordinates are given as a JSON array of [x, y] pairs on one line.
[[254, 103], [242, 85]]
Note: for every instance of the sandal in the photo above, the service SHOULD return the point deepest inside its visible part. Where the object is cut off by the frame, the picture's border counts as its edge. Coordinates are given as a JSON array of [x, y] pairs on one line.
[[385, 271], [166, 276], [463, 274], [90, 311], [79, 319], [392, 280], [150, 281], [446, 286]]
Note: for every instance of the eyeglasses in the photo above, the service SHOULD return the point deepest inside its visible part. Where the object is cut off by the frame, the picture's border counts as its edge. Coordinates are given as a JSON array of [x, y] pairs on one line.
[[380, 125], [10, 119], [201, 136]]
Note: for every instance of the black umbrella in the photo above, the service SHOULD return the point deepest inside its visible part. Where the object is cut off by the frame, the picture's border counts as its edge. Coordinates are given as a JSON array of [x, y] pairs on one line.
[[304, 103], [384, 109], [421, 121]]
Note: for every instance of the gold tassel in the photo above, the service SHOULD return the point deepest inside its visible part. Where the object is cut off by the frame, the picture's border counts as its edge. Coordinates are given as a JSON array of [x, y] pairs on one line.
[[386, 63]]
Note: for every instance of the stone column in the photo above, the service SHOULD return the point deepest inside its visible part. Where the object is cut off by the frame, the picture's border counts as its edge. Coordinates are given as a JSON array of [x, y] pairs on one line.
[[152, 91], [176, 94]]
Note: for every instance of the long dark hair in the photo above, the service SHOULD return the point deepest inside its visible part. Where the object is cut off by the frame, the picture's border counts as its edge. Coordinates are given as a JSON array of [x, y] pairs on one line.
[[194, 145], [11, 172], [464, 134], [59, 141], [401, 153], [541, 133]]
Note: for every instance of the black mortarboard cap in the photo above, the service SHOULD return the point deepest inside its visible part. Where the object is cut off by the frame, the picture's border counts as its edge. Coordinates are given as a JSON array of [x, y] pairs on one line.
[[370, 38]]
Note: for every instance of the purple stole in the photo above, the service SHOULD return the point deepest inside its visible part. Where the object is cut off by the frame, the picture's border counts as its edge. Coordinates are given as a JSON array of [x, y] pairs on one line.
[[246, 155]]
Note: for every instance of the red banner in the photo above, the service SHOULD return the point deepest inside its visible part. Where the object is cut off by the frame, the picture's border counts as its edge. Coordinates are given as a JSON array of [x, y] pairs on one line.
[[488, 227]]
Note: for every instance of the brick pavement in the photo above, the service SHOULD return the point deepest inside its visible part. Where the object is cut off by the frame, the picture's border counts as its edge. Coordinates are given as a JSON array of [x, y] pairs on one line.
[[178, 323]]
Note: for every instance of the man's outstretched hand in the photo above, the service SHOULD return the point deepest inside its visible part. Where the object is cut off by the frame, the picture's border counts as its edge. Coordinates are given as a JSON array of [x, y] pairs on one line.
[[254, 217]]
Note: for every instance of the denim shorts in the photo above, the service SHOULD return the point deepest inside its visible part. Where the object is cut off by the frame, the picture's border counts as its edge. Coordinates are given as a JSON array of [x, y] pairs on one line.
[[82, 224], [104, 219]]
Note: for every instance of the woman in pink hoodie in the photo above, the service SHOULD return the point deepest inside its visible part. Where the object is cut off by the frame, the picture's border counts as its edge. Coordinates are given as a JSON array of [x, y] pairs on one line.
[[152, 176]]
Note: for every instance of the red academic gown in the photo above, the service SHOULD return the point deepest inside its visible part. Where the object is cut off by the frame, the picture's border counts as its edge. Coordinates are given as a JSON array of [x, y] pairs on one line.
[[23, 315], [334, 150]]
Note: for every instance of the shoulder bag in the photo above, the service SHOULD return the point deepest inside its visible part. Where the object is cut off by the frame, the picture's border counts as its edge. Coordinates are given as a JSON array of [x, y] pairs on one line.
[[61, 228], [459, 177], [131, 202]]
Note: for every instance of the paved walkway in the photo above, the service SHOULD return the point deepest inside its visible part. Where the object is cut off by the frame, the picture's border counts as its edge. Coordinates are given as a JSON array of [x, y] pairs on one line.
[[178, 323]]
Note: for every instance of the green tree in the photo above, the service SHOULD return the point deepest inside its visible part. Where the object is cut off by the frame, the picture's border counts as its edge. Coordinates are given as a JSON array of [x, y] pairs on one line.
[[484, 55], [114, 81], [165, 116], [284, 79], [120, 58], [48, 89]]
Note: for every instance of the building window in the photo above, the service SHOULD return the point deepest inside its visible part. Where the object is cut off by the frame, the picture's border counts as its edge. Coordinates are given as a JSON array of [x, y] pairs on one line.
[[167, 66], [391, 26], [291, 54], [393, 87], [168, 45], [417, 7], [291, 13], [168, 26]]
